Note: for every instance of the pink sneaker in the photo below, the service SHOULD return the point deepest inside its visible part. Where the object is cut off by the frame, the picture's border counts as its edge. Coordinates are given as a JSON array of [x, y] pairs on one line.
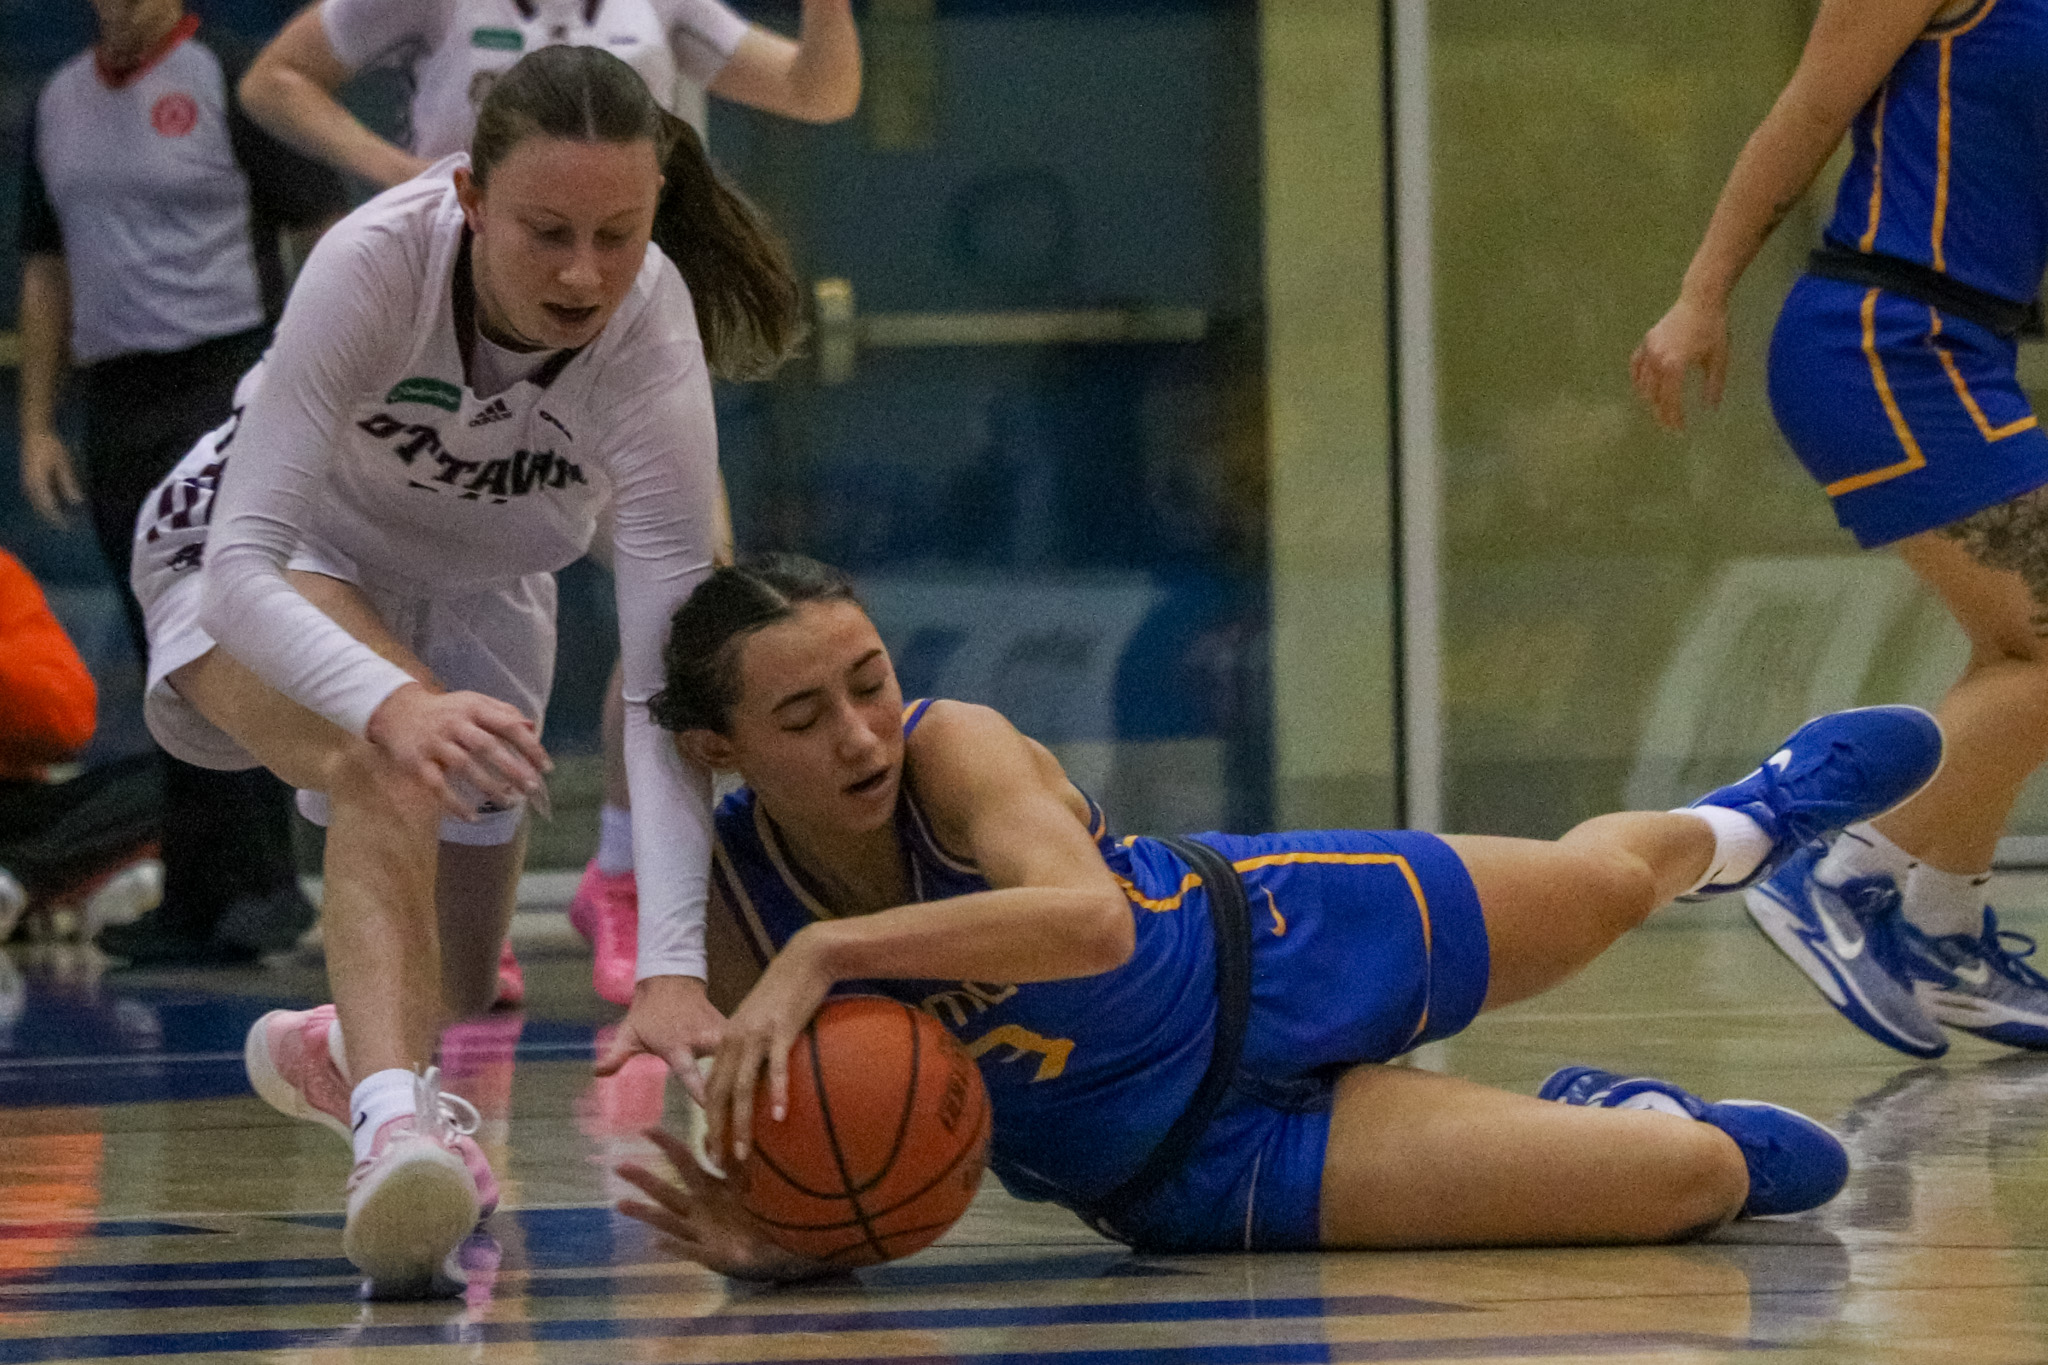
[[511, 980], [412, 1201], [606, 910], [583, 905], [295, 1063]]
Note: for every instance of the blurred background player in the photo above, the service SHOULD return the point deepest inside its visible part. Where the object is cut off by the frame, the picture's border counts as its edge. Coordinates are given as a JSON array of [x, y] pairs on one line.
[[84, 838], [1893, 376], [451, 51], [152, 213]]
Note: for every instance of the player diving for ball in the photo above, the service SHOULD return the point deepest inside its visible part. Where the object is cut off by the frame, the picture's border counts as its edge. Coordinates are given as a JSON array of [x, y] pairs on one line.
[[1184, 1079], [350, 583]]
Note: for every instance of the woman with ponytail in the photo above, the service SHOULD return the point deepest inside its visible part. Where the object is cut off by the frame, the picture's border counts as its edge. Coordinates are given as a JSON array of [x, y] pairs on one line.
[[350, 584], [451, 51]]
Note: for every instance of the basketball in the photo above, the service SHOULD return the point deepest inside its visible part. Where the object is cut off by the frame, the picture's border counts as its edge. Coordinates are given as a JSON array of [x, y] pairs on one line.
[[885, 1140]]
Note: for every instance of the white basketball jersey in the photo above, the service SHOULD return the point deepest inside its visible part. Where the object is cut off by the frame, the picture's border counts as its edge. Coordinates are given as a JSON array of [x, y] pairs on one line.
[[455, 49]]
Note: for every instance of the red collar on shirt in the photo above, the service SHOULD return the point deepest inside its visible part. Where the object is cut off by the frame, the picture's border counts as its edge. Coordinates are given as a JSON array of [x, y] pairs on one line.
[[114, 80]]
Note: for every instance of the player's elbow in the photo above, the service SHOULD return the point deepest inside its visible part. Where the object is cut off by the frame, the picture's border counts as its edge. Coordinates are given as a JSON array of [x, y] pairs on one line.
[[823, 99], [262, 91], [836, 104], [1104, 935]]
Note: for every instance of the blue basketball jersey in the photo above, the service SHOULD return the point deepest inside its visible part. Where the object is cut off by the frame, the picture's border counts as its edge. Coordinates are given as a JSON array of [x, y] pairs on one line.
[[1085, 1075], [1950, 164]]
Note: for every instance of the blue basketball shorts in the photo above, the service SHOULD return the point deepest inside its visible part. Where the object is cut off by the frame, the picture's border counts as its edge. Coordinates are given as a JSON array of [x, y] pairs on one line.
[[1364, 945], [1908, 417]]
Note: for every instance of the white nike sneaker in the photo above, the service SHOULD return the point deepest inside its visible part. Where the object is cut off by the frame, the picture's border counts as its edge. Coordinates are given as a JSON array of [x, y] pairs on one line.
[[1850, 942], [1979, 983]]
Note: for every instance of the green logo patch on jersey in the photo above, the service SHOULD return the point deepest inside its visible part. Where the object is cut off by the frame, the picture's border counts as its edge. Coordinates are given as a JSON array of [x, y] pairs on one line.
[[437, 393], [500, 39]]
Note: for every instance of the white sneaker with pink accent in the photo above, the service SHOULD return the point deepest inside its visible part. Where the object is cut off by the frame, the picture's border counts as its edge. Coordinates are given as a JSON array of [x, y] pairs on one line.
[[295, 1061], [412, 1201]]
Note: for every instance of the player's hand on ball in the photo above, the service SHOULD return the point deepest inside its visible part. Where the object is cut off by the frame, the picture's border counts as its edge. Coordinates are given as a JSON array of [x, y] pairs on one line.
[[703, 1219], [445, 737], [1691, 334], [672, 1018], [758, 1038]]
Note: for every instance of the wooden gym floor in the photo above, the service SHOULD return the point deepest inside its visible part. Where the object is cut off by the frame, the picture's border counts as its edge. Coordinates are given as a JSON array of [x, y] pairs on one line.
[[151, 1209]]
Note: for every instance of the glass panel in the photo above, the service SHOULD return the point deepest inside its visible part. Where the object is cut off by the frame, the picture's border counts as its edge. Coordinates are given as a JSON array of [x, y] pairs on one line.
[[1630, 617], [1033, 419]]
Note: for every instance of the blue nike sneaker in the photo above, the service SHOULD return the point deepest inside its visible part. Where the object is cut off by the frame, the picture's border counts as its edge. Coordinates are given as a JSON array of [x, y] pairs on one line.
[[1794, 1163], [1832, 772], [1852, 942], [1980, 984]]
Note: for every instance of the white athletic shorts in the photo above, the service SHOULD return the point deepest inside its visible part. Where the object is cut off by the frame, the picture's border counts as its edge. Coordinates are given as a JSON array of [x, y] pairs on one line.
[[499, 640]]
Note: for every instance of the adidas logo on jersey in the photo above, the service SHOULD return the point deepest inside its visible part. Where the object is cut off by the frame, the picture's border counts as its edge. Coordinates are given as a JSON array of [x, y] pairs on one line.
[[497, 410]]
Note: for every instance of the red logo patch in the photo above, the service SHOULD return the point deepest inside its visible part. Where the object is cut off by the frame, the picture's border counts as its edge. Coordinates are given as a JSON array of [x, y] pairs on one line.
[[174, 115]]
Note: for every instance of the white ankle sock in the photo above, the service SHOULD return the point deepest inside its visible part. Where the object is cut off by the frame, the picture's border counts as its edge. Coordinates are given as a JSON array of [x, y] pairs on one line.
[[1940, 902], [382, 1097], [1861, 851], [1740, 844], [614, 840]]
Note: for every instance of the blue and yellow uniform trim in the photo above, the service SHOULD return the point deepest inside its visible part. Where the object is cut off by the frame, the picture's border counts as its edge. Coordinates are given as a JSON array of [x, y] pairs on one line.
[[1364, 944], [1908, 417]]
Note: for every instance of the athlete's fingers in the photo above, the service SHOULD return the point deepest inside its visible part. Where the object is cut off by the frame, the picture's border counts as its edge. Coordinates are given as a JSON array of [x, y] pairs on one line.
[[515, 729], [495, 769], [1669, 396], [456, 763], [429, 772], [745, 1079], [524, 776], [666, 1193], [778, 1077], [686, 1067], [681, 1157], [625, 1042], [1715, 366], [718, 1106], [656, 1217], [67, 485], [684, 1236]]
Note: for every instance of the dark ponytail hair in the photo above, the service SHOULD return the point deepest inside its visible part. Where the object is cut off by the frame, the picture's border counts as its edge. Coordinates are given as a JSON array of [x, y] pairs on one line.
[[700, 659], [749, 306]]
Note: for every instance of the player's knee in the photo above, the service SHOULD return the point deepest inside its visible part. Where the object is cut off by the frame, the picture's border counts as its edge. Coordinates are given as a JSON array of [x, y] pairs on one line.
[[1705, 1183], [1620, 885], [362, 775]]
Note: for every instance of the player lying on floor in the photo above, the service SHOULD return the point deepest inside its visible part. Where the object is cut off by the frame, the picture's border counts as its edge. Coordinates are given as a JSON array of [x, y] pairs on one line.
[[922, 852]]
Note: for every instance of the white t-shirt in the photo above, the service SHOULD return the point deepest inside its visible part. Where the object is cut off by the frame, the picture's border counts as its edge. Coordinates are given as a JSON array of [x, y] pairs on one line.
[[362, 430], [454, 49]]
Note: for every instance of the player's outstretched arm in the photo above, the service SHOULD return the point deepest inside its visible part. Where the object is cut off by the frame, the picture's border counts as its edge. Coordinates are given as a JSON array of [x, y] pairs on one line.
[[1853, 46], [816, 78], [1055, 911], [289, 91]]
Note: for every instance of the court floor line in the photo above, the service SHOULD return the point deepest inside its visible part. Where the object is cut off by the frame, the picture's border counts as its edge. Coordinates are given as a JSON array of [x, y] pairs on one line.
[[1761, 1013], [91, 1346], [526, 1052], [1579, 1345], [1576, 1345]]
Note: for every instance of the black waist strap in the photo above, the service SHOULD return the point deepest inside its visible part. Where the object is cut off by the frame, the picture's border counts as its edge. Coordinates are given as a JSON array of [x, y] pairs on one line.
[[1999, 314], [1231, 917]]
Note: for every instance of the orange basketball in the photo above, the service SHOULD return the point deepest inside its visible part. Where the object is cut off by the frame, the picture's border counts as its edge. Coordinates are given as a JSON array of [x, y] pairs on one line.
[[884, 1144]]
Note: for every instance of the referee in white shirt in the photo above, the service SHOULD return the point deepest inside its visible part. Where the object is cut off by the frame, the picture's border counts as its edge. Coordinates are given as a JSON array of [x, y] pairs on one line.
[[152, 211]]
